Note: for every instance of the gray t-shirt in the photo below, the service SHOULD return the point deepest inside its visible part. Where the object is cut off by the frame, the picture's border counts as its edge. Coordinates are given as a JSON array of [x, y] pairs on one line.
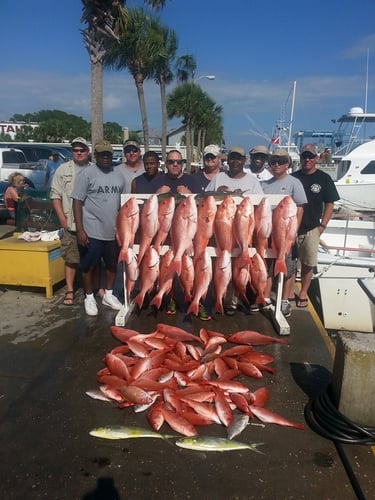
[[287, 186], [248, 183], [130, 174], [100, 193]]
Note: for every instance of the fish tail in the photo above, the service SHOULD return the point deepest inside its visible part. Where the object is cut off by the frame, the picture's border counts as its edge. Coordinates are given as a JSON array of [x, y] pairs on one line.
[[280, 267], [193, 308], [219, 306], [138, 300], [156, 301], [176, 266]]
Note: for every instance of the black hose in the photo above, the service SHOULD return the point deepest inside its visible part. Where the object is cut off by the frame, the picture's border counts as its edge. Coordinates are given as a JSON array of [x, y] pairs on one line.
[[324, 418]]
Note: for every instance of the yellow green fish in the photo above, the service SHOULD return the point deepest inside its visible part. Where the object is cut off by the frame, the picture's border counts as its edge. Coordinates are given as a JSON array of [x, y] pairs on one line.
[[124, 432], [208, 443]]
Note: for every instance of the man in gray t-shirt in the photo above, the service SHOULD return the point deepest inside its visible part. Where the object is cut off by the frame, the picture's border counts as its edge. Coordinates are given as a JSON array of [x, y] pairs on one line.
[[96, 202]]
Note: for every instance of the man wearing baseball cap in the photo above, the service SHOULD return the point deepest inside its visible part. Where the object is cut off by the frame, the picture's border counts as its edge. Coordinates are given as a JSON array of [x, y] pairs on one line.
[[133, 164], [211, 165], [96, 202], [61, 190], [258, 159], [235, 180], [321, 194]]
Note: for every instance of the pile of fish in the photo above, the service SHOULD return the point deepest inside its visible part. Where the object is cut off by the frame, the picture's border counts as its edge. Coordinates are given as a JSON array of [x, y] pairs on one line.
[[187, 224], [187, 381]]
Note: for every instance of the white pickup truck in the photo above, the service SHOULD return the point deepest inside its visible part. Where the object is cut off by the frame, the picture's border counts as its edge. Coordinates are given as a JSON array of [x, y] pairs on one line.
[[14, 160]]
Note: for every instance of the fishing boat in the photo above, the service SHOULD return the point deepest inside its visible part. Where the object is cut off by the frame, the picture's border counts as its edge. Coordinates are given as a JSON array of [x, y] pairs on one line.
[[345, 272], [356, 186]]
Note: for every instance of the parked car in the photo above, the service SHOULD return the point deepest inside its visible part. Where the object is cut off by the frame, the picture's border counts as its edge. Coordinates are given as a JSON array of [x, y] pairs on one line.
[[35, 152]]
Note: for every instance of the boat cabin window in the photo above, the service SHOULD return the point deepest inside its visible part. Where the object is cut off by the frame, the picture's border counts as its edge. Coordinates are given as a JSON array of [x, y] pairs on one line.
[[342, 168], [369, 168]]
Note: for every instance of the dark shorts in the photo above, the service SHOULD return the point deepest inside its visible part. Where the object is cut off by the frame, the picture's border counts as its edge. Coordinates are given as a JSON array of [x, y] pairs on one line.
[[69, 248], [96, 251]]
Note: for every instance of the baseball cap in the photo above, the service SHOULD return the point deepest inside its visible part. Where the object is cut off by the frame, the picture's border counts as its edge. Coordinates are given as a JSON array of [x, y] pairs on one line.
[[259, 149], [211, 149], [80, 140], [279, 153], [130, 142], [238, 150], [103, 147], [310, 148]]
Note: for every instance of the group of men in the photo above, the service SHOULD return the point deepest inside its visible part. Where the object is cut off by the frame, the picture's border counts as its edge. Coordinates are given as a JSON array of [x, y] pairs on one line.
[[86, 197]]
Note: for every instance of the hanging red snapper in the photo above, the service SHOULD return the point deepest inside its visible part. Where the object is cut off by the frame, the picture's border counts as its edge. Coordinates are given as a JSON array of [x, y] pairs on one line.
[[148, 225], [223, 224], [284, 231], [148, 274], [166, 209], [206, 212], [243, 226], [184, 226], [263, 225], [127, 223]]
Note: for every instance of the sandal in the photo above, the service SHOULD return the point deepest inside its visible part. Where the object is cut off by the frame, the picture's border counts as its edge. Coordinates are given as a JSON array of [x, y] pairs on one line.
[[302, 303], [68, 301]]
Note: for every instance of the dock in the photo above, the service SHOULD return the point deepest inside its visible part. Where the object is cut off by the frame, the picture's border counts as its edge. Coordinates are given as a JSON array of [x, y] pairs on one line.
[[50, 355]]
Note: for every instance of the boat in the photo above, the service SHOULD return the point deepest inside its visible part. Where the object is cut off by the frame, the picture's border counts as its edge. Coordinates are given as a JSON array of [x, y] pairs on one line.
[[346, 271], [356, 186]]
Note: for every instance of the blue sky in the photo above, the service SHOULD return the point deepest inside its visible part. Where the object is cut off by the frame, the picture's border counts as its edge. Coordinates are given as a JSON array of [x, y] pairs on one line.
[[256, 49]]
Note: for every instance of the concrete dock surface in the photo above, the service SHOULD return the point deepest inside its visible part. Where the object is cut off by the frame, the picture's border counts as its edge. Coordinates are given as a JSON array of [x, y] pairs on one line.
[[50, 355]]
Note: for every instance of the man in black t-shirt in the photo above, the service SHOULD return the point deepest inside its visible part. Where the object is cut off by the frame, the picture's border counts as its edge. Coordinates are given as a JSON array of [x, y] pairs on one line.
[[321, 194]]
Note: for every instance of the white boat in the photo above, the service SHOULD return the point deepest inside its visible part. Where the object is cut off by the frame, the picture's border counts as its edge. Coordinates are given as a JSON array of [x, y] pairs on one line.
[[357, 185], [346, 262]]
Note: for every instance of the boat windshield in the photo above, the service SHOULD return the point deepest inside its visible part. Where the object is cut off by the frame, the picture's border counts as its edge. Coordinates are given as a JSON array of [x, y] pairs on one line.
[[342, 168], [369, 168]]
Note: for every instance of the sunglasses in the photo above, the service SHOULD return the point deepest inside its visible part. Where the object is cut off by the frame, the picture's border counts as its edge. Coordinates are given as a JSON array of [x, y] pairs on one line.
[[279, 161], [172, 162], [131, 149], [307, 156], [76, 150], [210, 158]]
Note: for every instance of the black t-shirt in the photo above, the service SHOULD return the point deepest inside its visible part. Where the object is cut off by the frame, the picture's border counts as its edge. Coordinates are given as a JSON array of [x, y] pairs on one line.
[[186, 180], [320, 189]]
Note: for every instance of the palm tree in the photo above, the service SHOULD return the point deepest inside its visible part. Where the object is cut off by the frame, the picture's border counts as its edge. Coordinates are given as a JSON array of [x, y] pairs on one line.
[[185, 101], [186, 66], [164, 76], [105, 20], [138, 50]]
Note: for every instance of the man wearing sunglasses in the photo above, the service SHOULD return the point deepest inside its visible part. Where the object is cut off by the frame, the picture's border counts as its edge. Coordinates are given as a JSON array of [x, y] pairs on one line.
[[61, 189], [283, 183], [133, 164], [174, 180], [321, 194]]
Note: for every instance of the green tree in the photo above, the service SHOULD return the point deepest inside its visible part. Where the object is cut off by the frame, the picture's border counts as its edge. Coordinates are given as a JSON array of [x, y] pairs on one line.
[[139, 49], [105, 21], [184, 102]]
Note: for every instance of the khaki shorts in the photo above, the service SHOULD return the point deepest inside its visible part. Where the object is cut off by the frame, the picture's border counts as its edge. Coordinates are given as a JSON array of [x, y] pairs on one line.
[[308, 245], [69, 248]]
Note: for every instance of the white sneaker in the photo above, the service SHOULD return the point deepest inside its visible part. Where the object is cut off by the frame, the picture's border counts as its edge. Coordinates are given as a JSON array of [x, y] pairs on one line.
[[112, 302], [90, 306]]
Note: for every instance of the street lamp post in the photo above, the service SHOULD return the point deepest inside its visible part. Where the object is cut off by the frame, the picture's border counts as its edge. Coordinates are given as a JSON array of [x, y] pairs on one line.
[[190, 155]]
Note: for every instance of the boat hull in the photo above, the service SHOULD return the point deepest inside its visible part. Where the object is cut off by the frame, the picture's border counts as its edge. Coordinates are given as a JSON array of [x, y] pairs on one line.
[[357, 195]]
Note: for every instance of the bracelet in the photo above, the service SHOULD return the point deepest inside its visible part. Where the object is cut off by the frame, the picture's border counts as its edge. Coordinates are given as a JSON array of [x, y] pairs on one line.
[[322, 225]]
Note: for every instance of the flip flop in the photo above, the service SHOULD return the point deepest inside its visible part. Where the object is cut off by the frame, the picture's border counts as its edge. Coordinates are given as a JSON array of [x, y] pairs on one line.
[[302, 303], [68, 301]]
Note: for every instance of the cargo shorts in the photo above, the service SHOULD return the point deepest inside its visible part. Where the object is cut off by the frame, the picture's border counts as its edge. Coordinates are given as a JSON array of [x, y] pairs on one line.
[[69, 248], [308, 246]]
